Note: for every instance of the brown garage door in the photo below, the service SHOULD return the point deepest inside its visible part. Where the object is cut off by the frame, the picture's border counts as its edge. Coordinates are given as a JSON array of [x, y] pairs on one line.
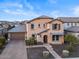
[[17, 36]]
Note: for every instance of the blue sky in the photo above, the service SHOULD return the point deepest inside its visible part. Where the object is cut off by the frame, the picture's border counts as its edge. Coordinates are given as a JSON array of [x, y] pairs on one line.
[[17, 10]]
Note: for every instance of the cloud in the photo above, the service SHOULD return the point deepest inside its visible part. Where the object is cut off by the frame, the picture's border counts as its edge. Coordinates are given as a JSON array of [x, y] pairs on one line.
[[56, 14], [28, 4], [10, 4], [75, 11], [28, 15]]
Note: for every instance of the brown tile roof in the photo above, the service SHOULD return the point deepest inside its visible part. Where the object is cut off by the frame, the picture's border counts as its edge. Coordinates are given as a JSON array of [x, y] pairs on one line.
[[41, 17]]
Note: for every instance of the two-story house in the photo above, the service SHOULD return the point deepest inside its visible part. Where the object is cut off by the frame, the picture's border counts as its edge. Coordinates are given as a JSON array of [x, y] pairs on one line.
[[45, 29]]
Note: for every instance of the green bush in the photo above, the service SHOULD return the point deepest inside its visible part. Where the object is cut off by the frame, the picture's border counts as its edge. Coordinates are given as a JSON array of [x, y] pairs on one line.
[[2, 41], [69, 48], [70, 38], [31, 41]]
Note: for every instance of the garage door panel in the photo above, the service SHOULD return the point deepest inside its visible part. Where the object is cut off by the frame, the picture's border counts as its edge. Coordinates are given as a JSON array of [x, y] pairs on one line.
[[17, 36]]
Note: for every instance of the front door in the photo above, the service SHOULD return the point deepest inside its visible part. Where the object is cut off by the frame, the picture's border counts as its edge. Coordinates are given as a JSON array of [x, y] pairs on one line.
[[45, 38]]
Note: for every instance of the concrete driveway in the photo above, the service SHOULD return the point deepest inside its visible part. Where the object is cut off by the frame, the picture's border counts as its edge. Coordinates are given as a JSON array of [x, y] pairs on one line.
[[15, 50]]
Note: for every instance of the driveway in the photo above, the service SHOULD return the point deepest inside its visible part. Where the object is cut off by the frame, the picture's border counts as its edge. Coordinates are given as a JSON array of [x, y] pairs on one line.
[[15, 50]]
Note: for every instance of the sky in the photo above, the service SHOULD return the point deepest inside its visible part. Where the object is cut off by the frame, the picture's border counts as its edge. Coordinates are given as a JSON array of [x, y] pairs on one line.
[[19, 10]]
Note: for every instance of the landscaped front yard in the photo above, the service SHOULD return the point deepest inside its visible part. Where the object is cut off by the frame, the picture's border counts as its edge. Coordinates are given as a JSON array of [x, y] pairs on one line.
[[37, 53], [60, 48], [2, 44]]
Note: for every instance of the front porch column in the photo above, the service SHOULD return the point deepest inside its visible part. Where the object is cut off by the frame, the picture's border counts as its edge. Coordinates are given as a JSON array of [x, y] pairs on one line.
[[25, 36], [9, 36], [39, 39]]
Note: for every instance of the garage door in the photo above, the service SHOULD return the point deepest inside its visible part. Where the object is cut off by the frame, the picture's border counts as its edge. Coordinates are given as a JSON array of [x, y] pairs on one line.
[[17, 36]]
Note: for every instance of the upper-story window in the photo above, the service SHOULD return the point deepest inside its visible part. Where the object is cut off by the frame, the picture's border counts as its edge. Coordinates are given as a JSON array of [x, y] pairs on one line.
[[67, 24], [56, 26], [72, 24], [32, 26], [59, 27], [39, 25], [44, 25], [75, 24]]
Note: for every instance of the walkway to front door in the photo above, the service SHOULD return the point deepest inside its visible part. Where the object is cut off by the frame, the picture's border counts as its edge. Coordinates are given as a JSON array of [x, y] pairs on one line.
[[15, 50]]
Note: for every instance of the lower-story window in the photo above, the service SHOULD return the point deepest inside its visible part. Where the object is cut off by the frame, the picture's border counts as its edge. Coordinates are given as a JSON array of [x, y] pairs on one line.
[[55, 37], [33, 35]]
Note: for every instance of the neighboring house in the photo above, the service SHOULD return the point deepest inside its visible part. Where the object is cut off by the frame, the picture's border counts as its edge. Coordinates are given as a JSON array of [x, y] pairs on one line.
[[2, 31], [69, 21], [71, 25], [73, 30], [17, 33]]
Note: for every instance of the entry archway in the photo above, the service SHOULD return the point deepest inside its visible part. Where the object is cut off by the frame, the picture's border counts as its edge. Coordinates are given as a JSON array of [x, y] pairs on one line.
[[45, 38]]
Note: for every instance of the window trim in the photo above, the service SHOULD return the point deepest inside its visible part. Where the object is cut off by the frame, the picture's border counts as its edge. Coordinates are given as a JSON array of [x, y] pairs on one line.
[[55, 37], [32, 26], [39, 25], [56, 26]]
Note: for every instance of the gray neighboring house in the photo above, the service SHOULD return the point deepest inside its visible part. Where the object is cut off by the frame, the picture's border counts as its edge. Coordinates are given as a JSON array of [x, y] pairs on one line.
[[69, 21], [71, 25], [17, 33], [73, 30]]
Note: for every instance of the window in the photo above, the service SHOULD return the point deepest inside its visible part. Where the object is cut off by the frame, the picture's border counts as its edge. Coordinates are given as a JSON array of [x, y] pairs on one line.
[[75, 24], [58, 26], [32, 26], [44, 25], [39, 25], [67, 24], [71, 24], [55, 37], [33, 35], [54, 26]]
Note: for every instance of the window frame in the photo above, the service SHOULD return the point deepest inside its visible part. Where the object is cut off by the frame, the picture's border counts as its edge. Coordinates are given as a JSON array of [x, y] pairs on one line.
[[32, 26], [55, 37]]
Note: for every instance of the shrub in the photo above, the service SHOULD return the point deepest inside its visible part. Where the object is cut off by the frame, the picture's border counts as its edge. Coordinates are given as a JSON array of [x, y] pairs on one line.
[[31, 41], [69, 48], [2, 41]]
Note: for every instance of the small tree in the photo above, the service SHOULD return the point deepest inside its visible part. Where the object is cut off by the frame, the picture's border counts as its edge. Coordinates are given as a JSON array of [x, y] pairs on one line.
[[2, 41], [31, 41], [72, 40]]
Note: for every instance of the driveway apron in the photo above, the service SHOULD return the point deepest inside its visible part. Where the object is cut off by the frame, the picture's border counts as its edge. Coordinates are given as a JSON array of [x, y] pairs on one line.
[[15, 50]]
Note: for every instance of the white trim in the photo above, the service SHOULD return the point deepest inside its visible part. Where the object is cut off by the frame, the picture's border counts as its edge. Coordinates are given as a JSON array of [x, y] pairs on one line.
[[56, 42], [27, 27]]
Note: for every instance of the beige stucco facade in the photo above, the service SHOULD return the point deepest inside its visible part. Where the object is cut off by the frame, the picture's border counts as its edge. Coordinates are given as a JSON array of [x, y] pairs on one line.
[[45, 31]]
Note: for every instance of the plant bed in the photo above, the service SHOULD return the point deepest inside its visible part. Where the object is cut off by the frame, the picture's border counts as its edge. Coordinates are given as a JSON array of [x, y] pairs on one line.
[[37, 53], [1, 50], [32, 41], [60, 48], [38, 43], [3, 43]]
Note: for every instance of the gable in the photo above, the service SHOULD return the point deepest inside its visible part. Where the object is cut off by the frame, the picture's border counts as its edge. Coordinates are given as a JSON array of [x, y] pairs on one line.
[[42, 18]]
